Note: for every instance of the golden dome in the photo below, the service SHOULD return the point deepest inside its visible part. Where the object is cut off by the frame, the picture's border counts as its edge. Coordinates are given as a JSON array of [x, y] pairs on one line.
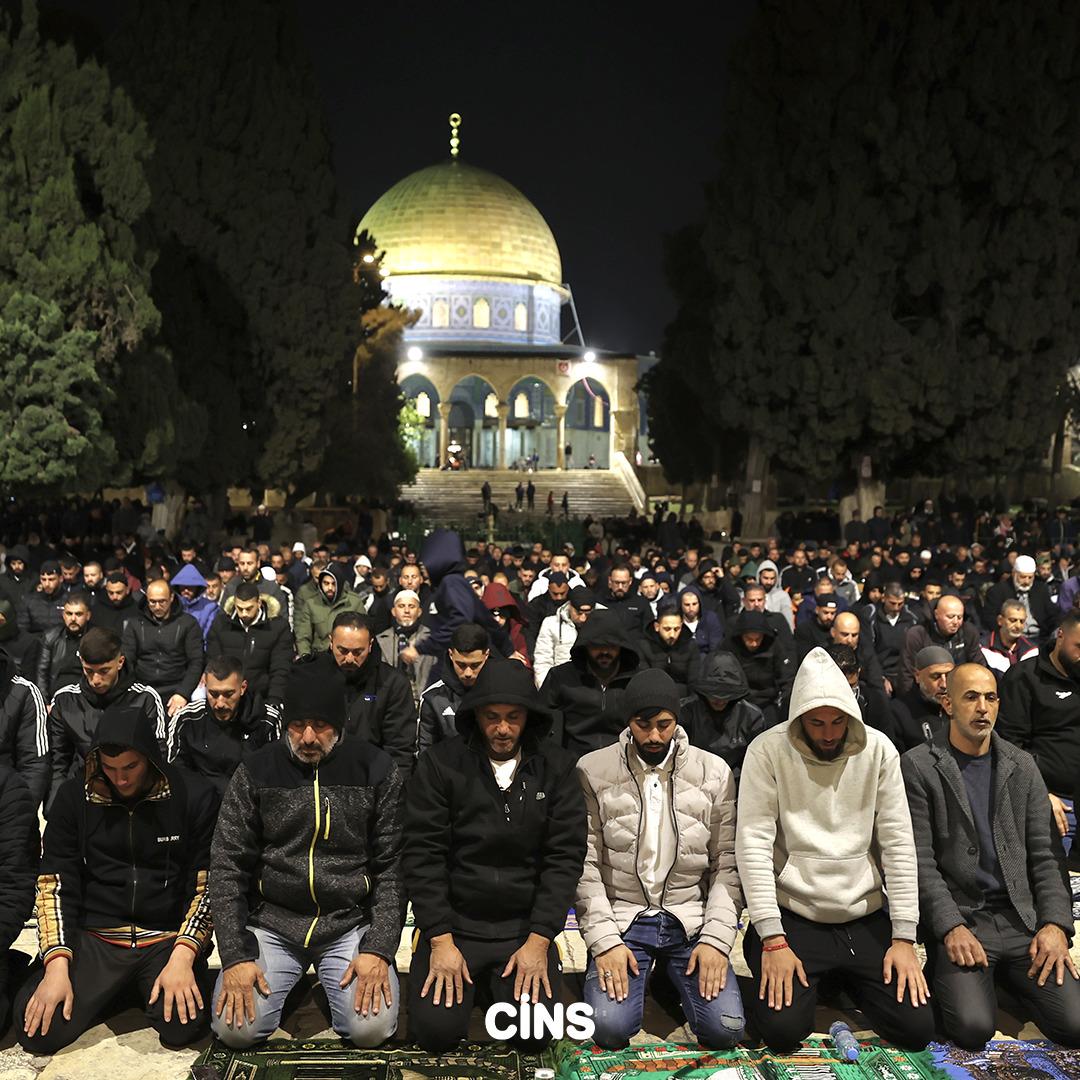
[[457, 220]]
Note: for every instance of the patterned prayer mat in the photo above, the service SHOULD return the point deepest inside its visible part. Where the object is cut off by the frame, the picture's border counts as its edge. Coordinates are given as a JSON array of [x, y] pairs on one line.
[[817, 1060], [281, 1059], [1008, 1060], [331, 1060]]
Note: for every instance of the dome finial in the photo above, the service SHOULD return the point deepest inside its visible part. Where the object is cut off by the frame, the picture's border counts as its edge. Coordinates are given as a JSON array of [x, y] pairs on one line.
[[455, 125]]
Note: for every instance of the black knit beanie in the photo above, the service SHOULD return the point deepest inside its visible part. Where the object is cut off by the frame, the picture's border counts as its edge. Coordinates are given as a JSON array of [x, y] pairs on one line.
[[315, 693], [649, 692]]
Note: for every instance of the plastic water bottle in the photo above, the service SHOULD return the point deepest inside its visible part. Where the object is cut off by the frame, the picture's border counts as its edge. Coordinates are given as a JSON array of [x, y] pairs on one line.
[[844, 1041]]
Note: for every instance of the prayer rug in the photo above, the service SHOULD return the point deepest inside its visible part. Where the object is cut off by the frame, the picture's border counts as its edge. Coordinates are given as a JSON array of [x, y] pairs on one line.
[[817, 1060], [283, 1059]]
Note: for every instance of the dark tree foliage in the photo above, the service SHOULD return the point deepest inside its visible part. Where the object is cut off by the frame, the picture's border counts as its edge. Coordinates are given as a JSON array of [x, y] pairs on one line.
[[681, 390], [77, 320], [262, 309], [894, 232]]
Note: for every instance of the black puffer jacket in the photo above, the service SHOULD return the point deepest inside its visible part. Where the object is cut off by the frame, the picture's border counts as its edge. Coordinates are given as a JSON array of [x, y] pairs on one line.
[[199, 743], [39, 612], [309, 852], [167, 653], [24, 744], [265, 647], [113, 865], [489, 864], [726, 733], [588, 715]]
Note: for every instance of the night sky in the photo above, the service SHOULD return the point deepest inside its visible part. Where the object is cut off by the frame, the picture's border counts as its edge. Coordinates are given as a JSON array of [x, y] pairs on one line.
[[608, 125]]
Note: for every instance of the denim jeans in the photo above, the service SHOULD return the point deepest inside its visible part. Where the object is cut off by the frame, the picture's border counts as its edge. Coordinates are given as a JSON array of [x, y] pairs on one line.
[[284, 963], [661, 939]]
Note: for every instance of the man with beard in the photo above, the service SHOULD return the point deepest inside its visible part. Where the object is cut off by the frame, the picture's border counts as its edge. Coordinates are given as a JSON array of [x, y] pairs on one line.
[[816, 631], [775, 598], [821, 808], [919, 713], [76, 710], [58, 663], [1040, 713], [622, 599], [251, 625], [42, 609], [407, 630], [1005, 913], [495, 824], [17, 581], [93, 580], [660, 884], [586, 692], [116, 607], [1025, 587], [668, 645], [211, 737], [469, 651], [378, 698], [305, 868]]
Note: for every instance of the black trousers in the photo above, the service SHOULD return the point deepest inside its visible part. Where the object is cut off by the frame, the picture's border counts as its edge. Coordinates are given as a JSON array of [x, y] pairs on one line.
[[965, 997], [437, 1028], [856, 950], [99, 973]]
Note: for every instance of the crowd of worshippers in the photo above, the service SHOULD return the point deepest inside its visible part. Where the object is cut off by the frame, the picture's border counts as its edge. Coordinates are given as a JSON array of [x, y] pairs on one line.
[[279, 751]]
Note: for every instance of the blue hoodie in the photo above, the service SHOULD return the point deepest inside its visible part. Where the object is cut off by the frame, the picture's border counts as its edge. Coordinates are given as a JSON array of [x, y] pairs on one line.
[[201, 608]]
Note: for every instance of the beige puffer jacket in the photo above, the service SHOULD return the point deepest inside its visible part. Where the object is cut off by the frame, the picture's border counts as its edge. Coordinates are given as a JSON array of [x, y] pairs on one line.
[[702, 889]]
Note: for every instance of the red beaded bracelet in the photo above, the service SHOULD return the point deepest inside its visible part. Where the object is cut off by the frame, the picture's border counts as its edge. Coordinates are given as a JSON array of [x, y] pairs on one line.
[[774, 948]]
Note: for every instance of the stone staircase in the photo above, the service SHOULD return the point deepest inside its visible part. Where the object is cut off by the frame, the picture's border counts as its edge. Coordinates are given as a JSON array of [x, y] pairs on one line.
[[455, 496]]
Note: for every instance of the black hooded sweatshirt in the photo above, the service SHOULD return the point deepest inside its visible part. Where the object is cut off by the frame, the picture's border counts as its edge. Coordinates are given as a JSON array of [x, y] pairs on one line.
[[726, 733], [485, 863], [588, 715], [769, 670], [134, 871]]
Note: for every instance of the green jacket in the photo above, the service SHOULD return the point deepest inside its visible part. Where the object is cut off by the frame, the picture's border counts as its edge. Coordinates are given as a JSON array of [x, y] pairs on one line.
[[315, 619]]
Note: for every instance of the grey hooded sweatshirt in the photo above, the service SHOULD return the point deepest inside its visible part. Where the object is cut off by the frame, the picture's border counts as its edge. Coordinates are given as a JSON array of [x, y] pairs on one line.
[[822, 837]]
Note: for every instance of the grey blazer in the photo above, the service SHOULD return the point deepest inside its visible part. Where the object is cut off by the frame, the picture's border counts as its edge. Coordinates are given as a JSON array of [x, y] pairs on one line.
[[1028, 848]]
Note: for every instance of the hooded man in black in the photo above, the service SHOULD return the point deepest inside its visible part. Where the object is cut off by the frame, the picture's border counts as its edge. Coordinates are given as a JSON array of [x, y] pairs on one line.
[[585, 694], [496, 844], [121, 895], [720, 717], [454, 602], [769, 669]]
